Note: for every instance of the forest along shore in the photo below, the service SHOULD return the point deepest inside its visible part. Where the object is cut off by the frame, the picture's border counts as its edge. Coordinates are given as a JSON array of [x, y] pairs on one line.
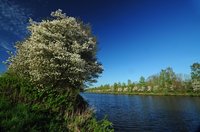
[[145, 93], [167, 82]]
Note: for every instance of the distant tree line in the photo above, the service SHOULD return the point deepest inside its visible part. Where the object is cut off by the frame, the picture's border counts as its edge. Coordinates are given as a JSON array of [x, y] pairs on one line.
[[166, 81]]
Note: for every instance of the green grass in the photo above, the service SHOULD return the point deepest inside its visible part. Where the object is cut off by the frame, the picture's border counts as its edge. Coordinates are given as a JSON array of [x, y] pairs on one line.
[[19, 117]]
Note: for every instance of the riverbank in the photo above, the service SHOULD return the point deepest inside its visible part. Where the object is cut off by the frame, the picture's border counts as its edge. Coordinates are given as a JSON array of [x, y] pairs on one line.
[[148, 93], [23, 107]]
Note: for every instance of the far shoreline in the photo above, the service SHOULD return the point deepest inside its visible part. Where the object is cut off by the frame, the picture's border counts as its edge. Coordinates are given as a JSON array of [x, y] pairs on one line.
[[148, 94]]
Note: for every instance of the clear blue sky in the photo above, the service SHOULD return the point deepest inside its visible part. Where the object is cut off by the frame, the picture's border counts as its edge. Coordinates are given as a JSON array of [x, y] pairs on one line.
[[136, 37]]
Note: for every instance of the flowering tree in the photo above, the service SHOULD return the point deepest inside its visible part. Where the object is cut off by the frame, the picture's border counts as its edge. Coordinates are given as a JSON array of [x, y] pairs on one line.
[[60, 53]]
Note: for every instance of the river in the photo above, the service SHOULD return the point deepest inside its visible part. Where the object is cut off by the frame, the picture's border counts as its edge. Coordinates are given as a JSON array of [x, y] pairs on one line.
[[147, 113]]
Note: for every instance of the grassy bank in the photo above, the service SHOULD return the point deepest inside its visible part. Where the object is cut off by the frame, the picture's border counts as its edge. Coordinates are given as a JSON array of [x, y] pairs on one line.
[[23, 107], [21, 117]]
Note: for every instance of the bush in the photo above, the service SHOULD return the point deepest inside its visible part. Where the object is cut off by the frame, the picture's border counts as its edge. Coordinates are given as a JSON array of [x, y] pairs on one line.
[[19, 117], [32, 109]]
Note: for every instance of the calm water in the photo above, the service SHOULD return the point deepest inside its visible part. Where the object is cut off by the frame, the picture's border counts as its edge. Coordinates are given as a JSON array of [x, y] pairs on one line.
[[147, 113]]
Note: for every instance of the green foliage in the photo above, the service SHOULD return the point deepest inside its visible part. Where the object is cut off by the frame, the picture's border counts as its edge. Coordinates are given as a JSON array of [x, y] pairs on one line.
[[19, 117], [45, 75], [195, 71], [142, 81], [166, 82], [115, 87], [87, 123], [102, 126], [167, 78], [15, 88], [24, 107], [195, 74]]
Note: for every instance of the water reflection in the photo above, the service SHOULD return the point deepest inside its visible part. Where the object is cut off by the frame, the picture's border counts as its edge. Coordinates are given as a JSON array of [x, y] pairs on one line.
[[147, 113]]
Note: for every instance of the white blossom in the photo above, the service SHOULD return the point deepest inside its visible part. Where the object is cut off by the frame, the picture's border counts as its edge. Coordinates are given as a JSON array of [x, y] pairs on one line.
[[59, 53]]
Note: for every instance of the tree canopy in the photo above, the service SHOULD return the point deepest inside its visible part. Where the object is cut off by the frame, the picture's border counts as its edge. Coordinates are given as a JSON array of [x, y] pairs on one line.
[[195, 74], [59, 52]]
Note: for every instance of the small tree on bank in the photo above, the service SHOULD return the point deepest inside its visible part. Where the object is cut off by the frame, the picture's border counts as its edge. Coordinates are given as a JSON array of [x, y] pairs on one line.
[[195, 75], [59, 53]]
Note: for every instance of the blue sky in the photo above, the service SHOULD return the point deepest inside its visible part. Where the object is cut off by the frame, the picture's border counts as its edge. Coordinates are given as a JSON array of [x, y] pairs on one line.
[[136, 37]]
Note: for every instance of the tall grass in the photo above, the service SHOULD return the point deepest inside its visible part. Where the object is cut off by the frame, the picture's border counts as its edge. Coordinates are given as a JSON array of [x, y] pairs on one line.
[[23, 107]]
